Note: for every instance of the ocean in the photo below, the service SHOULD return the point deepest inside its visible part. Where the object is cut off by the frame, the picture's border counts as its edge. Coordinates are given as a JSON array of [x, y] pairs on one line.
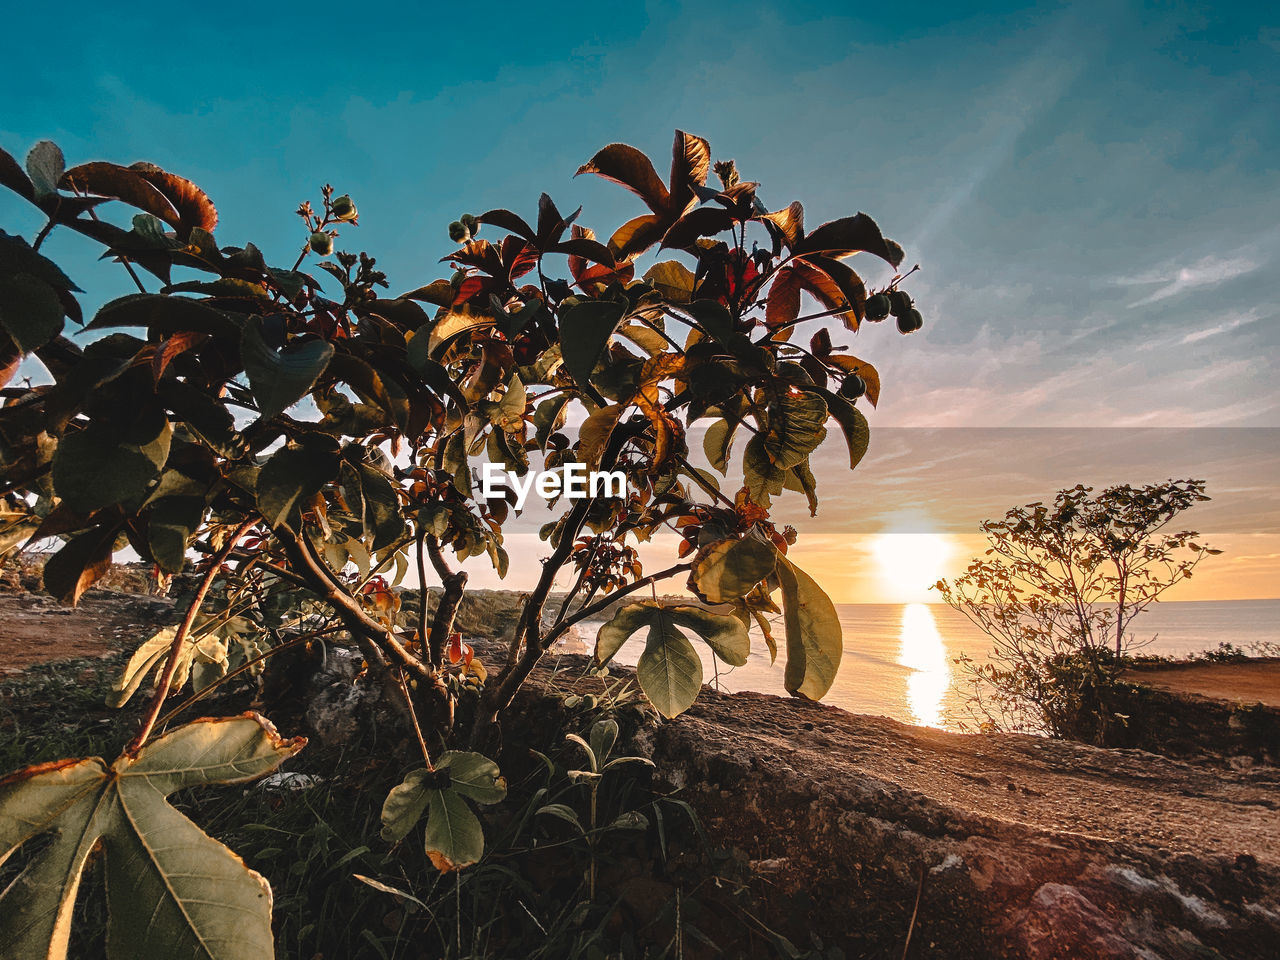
[[899, 659]]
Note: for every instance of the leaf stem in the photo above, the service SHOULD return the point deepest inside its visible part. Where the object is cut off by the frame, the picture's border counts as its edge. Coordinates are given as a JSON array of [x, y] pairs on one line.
[[179, 638]]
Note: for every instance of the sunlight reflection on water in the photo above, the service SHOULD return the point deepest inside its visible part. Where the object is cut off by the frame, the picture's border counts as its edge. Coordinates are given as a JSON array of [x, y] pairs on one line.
[[923, 652], [899, 659]]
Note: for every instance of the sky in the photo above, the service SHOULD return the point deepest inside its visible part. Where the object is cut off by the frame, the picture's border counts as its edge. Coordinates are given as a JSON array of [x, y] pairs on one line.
[[1090, 190]]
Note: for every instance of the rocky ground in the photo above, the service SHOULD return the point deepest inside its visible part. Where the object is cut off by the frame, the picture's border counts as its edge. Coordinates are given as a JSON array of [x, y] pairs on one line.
[[899, 841], [1015, 846], [34, 628]]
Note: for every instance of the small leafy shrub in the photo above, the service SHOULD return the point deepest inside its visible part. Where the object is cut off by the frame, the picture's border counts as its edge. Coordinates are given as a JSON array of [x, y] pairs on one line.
[[311, 439], [1058, 598]]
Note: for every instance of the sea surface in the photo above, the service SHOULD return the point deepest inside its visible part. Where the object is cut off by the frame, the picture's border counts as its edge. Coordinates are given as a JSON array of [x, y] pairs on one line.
[[899, 659]]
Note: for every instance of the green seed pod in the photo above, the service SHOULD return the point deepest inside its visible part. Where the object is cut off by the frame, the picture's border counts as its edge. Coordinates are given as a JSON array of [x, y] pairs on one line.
[[910, 322], [899, 303], [321, 243], [853, 387], [878, 307], [458, 233], [343, 208], [471, 223]]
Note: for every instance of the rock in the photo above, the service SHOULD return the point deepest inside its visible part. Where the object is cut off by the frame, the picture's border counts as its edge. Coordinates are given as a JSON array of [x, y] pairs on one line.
[[1096, 853], [334, 713], [288, 782], [1062, 922]]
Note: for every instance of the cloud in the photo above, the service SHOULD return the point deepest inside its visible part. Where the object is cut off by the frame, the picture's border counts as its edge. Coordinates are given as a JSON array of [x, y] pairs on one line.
[[1233, 323], [1206, 272]]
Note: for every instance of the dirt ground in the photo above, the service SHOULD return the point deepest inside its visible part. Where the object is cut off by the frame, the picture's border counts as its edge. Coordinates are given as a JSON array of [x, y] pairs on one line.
[[1257, 682], [35, 628]]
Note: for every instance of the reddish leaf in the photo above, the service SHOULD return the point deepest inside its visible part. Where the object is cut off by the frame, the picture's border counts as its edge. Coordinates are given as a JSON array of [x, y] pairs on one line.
[[469, 288], [79, 564], [690, 164], [820, 344], [112, 180], [458, 650], [518, 258], [439, 292], [585, 249], [170, 348], [506, 220], [195, 209], [636, 236], [783, 305], [850, 235], [627, 166], [478, 253], [850, 286], [578, 263], [702, 222], [789, 223], [551, 225]]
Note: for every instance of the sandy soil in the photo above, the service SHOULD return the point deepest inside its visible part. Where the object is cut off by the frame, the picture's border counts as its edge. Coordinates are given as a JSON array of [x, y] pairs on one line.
[[35, 628], [1257, 682]]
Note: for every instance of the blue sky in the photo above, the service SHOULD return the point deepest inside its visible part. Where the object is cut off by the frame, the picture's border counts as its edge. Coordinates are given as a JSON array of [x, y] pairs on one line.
[[1091, 189]]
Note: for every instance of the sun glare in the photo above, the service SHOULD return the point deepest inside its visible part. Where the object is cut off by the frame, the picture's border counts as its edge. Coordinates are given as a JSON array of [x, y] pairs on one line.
[[910, 563], [922, 651]]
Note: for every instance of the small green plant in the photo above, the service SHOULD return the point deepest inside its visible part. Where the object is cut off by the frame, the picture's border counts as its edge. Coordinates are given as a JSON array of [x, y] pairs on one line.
[[1059, 595], [604, 735]]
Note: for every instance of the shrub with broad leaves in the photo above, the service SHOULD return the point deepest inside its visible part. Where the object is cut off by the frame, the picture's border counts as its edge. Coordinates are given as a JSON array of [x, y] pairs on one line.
[[309, 439]]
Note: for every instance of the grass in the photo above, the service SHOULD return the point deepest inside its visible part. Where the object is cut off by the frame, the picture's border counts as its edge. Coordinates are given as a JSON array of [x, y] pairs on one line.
[[342, 892]]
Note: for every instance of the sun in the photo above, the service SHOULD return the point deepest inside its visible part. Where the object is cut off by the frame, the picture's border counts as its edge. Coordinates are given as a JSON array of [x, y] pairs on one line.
[[908, 564]]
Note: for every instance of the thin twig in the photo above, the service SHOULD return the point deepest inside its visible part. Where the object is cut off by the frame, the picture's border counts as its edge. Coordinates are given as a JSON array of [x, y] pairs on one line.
[[912, 926], [413, 715], [175, 649], [247, 665]]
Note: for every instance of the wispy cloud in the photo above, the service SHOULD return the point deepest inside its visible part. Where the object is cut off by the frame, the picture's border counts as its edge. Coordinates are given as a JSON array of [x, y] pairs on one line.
[[1233, 323], [1174, 280]]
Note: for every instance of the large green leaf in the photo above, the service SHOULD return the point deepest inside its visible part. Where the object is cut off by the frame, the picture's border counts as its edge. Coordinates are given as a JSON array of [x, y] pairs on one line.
[[95, 467], [669, 669], [730, 569], [585, 328], [293, 475], [761, 477], [30, 311], [672, 279], [453, 836], [371, 496], [80, 563], [815, 641], [172, 891], [795, 428], [45, 166], [281, 379], [716, 444], [171, 523], [857, 433], [150, 658], [725, 635]]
